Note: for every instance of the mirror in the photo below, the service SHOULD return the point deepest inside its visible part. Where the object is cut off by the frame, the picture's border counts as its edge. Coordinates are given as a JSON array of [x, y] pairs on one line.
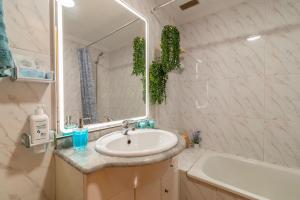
[[95, 63]]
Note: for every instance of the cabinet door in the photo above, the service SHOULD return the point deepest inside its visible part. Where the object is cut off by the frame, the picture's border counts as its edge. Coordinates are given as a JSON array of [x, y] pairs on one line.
[[132, 183], [170, 182], [69, 181]]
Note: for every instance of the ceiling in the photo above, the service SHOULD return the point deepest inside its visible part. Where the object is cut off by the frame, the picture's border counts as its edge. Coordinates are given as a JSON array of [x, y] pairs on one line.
[[205, 7], [90, 20]]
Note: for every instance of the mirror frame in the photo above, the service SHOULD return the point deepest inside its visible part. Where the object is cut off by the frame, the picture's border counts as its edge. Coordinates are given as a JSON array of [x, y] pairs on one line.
[[58, 54]]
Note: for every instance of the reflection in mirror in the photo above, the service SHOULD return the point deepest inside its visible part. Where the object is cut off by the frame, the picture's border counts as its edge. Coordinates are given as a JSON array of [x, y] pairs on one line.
[[98, 61]]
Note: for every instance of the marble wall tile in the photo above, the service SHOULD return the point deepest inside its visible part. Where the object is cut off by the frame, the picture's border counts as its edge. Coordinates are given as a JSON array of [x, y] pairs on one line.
[[282, 13], [125, 90], [240, 20], [248, 97], [283, 97], [283, 52], [248, 88], [29, 19], [219, 95], [247, 137], [32, 174], [25, 175], [282, 142]]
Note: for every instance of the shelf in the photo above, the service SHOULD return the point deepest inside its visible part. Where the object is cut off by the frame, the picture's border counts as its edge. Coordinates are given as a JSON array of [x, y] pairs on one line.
[[18, 78], [26, 140], [35, 80]]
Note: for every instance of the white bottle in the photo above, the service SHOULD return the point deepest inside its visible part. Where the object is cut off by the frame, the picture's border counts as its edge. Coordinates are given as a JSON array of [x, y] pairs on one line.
[[39, 126]]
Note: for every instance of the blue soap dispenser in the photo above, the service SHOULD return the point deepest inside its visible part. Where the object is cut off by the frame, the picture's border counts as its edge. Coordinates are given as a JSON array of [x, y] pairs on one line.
[[80, 137]]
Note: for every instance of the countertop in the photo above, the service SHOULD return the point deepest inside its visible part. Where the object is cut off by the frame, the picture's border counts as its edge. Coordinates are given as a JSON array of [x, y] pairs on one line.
[[188, 157], [90, 160]]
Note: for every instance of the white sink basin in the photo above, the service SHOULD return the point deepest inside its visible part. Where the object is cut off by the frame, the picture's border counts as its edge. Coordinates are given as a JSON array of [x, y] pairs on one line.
[[140, 142]]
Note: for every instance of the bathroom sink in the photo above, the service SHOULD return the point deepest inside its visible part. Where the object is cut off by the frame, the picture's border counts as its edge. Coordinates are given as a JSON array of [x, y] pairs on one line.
[[140, 142]]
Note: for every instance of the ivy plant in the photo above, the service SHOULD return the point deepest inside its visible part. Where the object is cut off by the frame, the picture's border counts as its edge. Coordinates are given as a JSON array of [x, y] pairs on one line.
[[139, 61], [170, 47], [158, 80], [169, 61], [159, 69]]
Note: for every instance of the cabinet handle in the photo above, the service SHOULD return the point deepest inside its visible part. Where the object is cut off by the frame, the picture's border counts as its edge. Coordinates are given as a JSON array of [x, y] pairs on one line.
[[166, 191]]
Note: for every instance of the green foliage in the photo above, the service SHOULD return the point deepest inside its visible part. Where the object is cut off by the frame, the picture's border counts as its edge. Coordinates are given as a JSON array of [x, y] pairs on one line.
[[159, 69], [139, 61], [170, 46], [169, 61], [158, 80]]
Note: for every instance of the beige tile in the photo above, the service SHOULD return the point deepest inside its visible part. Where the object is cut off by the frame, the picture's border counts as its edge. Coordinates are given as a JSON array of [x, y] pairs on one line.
[[248, 97], [283, 97], [282, 143]]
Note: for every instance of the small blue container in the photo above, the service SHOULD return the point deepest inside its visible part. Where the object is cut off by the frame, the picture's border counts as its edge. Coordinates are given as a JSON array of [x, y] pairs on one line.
[[80, 139], [142, 124], [151, 123]]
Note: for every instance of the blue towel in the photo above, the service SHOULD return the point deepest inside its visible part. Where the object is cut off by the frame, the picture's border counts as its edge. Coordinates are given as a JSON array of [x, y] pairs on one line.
[[6, 60]]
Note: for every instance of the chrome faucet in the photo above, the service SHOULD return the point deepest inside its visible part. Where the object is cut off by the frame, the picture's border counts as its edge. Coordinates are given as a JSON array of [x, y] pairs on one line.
[[126, 127]]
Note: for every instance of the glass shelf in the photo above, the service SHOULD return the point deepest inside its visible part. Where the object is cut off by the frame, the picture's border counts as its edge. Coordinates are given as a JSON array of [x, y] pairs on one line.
[[30, 79], [20, 78], [27, 142]]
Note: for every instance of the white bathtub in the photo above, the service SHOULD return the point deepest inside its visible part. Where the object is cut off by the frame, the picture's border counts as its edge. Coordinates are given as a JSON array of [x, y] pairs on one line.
[[248, 178]]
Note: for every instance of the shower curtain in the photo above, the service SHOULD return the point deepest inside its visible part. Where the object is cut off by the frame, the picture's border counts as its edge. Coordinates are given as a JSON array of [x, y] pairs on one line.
[[88, 88]]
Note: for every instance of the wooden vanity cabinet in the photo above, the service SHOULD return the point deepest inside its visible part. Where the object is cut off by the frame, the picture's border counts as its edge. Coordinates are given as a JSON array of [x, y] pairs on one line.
[[157, 181]]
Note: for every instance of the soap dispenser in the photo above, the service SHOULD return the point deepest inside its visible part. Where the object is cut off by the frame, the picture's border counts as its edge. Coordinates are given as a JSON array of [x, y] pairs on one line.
[[80, 137], [39, 126]]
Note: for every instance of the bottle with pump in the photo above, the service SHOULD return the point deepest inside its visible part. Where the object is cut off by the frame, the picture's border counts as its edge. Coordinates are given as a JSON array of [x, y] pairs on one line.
[[39, 125], [80, 137]]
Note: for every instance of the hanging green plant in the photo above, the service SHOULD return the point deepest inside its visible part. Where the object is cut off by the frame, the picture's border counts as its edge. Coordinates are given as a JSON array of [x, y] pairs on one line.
[[139, 61], [158, 80], [159, 69], [169, 61], [139, 56], [170, 46]]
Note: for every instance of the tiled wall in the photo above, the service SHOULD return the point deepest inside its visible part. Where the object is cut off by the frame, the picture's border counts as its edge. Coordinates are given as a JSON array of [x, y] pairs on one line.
[[125, 92], [24, 174], [244, 96]]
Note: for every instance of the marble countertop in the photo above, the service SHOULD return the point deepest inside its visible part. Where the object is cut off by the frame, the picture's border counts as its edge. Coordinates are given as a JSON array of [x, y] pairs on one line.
[[188, 157], [90, 160]]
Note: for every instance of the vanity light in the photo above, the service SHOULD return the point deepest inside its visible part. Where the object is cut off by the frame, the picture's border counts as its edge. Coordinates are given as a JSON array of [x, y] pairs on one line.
[[67, 3], [253, 38]]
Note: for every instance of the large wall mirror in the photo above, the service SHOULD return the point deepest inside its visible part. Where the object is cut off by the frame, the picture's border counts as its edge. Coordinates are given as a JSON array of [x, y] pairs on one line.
[[95, 63]]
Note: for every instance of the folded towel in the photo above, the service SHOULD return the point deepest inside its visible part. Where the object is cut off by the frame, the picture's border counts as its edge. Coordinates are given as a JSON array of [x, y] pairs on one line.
[[6, 60]]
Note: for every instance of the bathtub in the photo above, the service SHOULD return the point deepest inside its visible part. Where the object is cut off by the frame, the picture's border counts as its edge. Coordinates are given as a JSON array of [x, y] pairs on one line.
[[247, 178]]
